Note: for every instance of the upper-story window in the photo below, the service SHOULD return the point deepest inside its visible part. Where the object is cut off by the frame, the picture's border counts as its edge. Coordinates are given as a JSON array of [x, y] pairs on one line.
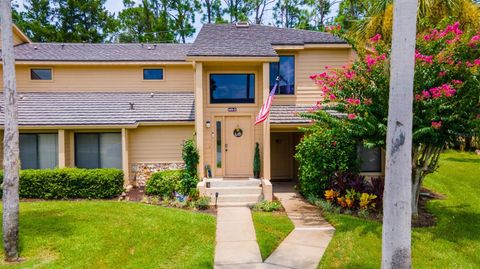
[[370, 159], [153, 74], [41, 74], [232, 88], [285, 69]]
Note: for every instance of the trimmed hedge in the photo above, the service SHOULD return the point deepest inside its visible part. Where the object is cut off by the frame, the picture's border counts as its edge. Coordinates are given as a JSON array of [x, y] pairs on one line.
[[164, 183], [68, 183]]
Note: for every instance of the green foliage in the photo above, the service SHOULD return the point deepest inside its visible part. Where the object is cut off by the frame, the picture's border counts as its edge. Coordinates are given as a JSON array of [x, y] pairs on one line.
[[322, 153], [203, 203], [66, 20], [70, 183], [256, 161], [267, 206], [165, 183], [190, 156]]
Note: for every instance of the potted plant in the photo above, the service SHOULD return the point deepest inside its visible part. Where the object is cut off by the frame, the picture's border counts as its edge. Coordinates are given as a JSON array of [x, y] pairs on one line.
[[256, 161]]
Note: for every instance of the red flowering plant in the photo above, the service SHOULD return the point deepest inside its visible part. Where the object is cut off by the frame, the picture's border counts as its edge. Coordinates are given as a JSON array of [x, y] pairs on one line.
[[446, 95]]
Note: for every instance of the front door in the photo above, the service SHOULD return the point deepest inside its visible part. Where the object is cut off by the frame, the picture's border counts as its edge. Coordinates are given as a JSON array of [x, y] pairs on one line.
[[238, 146]]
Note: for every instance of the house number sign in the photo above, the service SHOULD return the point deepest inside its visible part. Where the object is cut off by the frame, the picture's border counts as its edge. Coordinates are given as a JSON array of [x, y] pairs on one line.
[[237, 132], [232, 109]]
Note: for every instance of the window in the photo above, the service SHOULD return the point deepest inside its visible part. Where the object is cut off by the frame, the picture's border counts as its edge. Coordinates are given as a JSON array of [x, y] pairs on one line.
[[219, 144], [41, 74], [285, 69], [98, 150], [370, 159], [232, 88], [38, 151], [153, 73]]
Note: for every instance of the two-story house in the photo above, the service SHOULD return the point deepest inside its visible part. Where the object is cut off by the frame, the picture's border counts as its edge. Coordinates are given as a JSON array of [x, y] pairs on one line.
[[131, 106]]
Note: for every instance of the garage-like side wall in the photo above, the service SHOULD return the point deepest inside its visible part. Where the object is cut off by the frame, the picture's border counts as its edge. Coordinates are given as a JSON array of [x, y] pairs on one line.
[[155, 148]]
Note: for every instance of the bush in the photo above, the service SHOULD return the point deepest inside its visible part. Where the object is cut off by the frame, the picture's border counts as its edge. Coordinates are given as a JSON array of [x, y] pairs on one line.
[[203, 203], [190, 156], [267, 206], [165, 183], [69, 183], [321, 154]]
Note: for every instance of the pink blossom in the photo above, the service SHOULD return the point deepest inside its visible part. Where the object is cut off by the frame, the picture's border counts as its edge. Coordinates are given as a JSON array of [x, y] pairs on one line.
[[368, 101], [475, 38], [436, 124], [349, 74], [370, 61], [352, 116], [456, 81], [418, 97], [332, 96], [423, 58], [476, 62], [376, 38], [353, 101], [442, 73], [426, 94], [313, 77]]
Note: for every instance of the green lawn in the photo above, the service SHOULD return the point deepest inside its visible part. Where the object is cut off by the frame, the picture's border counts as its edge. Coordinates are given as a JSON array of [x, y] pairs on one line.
[[271, 229], [453, 243], [110, 234]]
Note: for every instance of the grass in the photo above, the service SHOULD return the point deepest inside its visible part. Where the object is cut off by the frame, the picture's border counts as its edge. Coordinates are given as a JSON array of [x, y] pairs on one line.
[[109, 234], [453, 243], [271, 228]]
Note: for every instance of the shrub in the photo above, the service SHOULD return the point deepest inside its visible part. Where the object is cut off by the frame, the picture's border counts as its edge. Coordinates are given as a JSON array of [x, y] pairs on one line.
[[267, 206], [165, 183], [188, 184], [203, 203], [69, 183], [321, 154]]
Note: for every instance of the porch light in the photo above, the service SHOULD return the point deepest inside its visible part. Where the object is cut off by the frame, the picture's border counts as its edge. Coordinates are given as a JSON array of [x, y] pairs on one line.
[[207, 124]]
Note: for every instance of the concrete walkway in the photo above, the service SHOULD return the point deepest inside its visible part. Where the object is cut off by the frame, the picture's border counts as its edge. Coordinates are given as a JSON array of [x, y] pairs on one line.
[[304, 246], [236, 245]]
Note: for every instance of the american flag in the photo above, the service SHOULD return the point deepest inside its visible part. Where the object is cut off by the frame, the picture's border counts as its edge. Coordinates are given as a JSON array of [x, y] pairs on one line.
[[265, 110]]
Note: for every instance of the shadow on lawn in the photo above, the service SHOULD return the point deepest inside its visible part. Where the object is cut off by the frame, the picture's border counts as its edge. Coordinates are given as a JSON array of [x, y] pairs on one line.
[[462, 160], [456, 223]]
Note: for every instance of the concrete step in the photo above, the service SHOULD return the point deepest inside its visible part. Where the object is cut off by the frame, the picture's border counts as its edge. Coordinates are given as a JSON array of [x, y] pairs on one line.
[[234, 183], [233, 190], [237, 198], [243, 204]]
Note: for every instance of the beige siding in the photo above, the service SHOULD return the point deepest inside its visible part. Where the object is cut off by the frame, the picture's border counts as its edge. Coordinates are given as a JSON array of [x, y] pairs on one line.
[[68, 150], [157, 144], [17, 39], [106, 78], [308, 62], [1, 149]]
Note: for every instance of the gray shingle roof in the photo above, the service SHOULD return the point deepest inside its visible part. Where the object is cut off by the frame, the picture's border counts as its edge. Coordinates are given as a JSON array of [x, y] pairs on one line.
[[288, 114], [100, 52], [255, 40], [102, 108]]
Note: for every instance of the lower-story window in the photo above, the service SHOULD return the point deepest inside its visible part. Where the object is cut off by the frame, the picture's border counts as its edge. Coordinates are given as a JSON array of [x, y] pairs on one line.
[[98, 150], [370, 159], [38, 151]]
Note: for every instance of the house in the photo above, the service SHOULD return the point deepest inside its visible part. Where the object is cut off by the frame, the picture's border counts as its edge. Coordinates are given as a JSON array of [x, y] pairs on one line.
[[130, 106]]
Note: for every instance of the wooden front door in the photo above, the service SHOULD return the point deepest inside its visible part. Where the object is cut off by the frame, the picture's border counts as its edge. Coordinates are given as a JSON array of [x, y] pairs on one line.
[[238, 146]]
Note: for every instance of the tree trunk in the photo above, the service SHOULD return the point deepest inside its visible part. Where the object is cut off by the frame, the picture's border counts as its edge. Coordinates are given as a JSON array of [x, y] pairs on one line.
[[397, 209], [10, 142]]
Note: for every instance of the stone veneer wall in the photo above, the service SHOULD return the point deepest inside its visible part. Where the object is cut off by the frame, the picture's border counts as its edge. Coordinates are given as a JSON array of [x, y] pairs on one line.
[[141, 172]]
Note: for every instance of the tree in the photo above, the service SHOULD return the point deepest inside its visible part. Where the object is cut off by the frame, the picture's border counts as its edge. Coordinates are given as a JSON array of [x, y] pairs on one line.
[[10, 140], [290, 13], [397, 197], [149, 21], [183, 15], [377, 17], [37, 20], [446, 103], [237, 10], [259, 7], [212, 11], [319, 11]]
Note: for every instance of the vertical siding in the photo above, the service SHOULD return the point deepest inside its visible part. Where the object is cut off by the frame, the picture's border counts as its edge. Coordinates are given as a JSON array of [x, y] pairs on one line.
[[157, 144], [308, 62]]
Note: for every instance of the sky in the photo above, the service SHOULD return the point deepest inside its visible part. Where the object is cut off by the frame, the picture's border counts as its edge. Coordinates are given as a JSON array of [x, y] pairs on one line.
[[116, 6]]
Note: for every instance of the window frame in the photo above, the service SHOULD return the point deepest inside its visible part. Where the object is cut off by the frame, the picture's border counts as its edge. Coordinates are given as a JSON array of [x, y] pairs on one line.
[[153, 68], [221, 102], [37, 145], [41, 68], [99, 163], [277, 93]]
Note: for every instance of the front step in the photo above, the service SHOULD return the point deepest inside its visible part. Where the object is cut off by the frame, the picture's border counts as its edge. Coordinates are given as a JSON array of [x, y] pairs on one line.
[[244, 192]]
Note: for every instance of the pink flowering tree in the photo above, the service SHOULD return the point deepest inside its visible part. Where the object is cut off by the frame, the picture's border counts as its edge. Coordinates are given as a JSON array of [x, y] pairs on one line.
[[446, 90]]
